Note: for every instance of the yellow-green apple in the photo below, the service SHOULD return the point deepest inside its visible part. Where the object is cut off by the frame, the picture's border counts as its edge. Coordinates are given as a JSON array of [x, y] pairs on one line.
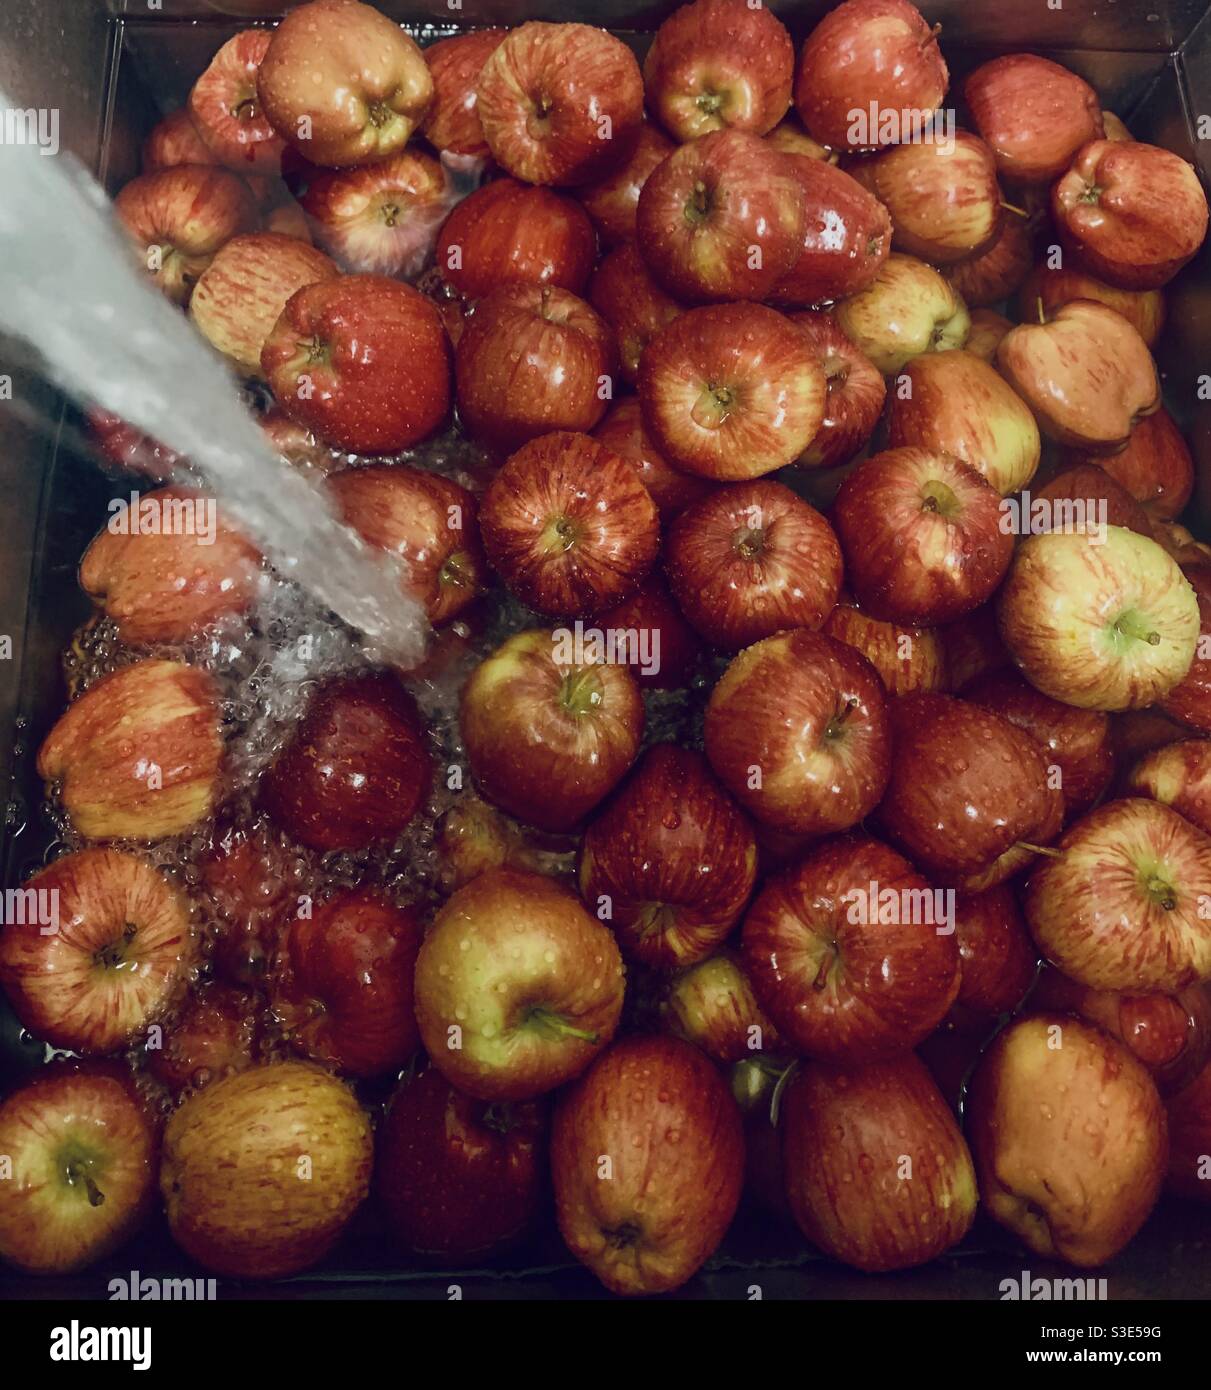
[[864, 58], [1177, 775], [263, 1170], [906, 658], [1190, 700], [1109, 627], [613, 201], [721, 218], [560, 103], [1123, 906], [998, 961], [175, 140], [731, 391], [797, 730], [670, 862], [226, 110], [877, 1172], [343, 84], [712, 1005], [631, 302], [622, 431], [922, 536], [1189, 1113], [1133, 214], [750, 560], [908, 309], [647, 1161], [994, 274], [518, 987], [80, 1170], [855, 393], [1068, 1136], [1033, 114], [851, 953], [1155, 466], [719, 65], [451, 123], [987, 330], [1144, 310], [790, 137], [549, 732]]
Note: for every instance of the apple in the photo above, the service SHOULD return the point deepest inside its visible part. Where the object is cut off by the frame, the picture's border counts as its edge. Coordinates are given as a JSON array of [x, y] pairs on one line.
[[341, 988], [1138, 732], [1155, 466], [175, 140], [732, 391], [908, 309], [518, 988], [998, 271], [868, 56], [81, 1154], [670, 861], [179, 218], [568, 526], [296, 444], [251, 882], [138, 755], [211, 1037], [1076, 741], [622, 431], [1120, 908], [108, 954], [559, 103], [877, 1172], [661, 649], [906, 658], [849, 953], [1144, 310], [1105, 627], [1085, 372], [1177, 775], [532, 359], [1081, 497], [1190, 700], [998, 961], [243, 292], [1133, 214], [426, 520], [750, 560], [1179, 542], [457, 1176], [343, 84], [722, 218], [855, 393], [263, 1170], [452, 123], [797, 730], [508, 232], [1169, 1033], [719, 65], [226, 110], [169, 583], [921, 536], [711, 1004], [954, 403], [987, 330], [1034, 115], [972, 645], [1068, 1137], [968, 796], [631, 302], [755, 1081], [613, 201], [846, 236], [658, 1113], [1189, 1114], [549, 733], [124, 447]]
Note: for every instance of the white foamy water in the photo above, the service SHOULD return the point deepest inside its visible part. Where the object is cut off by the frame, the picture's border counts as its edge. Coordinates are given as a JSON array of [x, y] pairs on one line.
[[70, 288]]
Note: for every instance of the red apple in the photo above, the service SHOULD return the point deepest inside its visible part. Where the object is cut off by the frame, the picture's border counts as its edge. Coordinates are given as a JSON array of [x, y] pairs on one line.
[[560, 103], [211, 1037], [532, 359], [987, 330], [751, 560], [670, 862], [631, 302], [877, 1172], [510, 233], [101, 949], [906, 310], [226, 110], [452, 121], [297, 444], [343, 84], [458, 1176], [998, 961], [1144, 310], [661, 649], [426, 520], [719, 65], [796, 729], [647, 1161], [1068, 1136], [722, 218], [1179, 542], [138, 755], [1190, 699], [129, 449], [253, 883], [357, 769], [1033, 113], [1155, 466], [1139, 732], [263, 1170], [175, 140], [569, 527], [81, 1168], [1133, 214], [755, 1081], [855, 393], [548, 732], [623, 433], [790, 137], [612, 202], [732, 391], [864, 57], [996, 272], [1081, 498], [972, 646], [363, 361], [518, 988], [1177, 775], [906, 658], [712, 1005], [1190, 1139]]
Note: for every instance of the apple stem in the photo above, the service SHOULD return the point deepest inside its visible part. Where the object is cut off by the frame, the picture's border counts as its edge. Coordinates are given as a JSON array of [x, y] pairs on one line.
[[76, 1173], [1013, 207], [834, 724], [1132, 627], [546, 1019], [826, 965], [931, 37], [775, 1100], [1040, 849], [1041, 311]]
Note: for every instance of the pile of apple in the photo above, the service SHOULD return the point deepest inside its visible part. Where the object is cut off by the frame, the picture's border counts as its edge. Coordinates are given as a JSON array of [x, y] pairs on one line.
[[654, 974]]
